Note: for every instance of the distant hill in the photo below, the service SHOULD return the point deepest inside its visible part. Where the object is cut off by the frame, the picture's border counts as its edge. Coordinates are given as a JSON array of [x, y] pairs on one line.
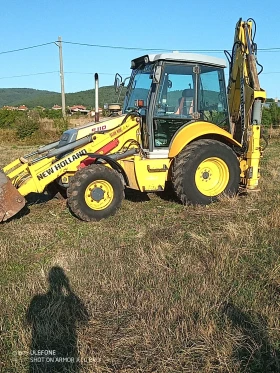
[[19, 96], [34, 97]]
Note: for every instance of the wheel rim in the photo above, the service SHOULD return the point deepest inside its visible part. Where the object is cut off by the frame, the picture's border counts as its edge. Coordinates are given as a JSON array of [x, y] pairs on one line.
[[99, 194], [212, 176]]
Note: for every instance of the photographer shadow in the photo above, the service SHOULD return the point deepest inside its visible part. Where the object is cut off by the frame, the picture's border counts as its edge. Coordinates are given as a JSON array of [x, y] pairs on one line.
[[53, 318]]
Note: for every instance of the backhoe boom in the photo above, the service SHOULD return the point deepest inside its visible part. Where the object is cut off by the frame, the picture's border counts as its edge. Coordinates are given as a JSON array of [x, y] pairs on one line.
[[245, 99]]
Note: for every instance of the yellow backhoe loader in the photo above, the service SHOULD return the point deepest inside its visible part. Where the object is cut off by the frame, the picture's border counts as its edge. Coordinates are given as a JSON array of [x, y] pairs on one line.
[[178, 125]]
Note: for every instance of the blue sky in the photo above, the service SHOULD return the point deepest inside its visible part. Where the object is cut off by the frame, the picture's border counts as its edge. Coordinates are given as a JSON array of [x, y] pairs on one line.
[[173, 25]]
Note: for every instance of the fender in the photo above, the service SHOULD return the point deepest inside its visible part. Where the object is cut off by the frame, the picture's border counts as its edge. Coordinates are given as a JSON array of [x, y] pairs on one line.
[[112, 162], [192, 131]]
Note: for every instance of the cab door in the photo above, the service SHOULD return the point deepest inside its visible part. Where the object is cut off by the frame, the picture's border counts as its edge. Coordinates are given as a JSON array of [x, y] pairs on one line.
[[175, 103]]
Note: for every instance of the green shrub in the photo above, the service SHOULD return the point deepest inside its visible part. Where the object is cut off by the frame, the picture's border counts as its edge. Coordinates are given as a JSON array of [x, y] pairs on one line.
[[9, 117], [50, 114], [25, 127]]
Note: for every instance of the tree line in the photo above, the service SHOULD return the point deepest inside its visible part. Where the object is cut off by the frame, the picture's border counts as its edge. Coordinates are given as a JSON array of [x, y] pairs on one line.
[[271, 115], [33, 98]]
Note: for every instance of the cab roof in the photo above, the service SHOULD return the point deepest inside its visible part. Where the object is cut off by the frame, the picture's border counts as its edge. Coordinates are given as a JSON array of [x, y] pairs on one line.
[[179, 57]]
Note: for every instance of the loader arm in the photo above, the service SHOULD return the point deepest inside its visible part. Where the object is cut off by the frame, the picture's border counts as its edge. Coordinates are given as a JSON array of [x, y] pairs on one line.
[[33, 172], [245, 98]]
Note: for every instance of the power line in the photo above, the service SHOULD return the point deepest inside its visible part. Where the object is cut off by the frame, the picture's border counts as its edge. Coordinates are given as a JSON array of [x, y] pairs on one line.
[[92, 73], [271, 72], [272, 49], [52, 72], [269, 49], [115, 46], [23, 49], [20, 76], [143, 49]]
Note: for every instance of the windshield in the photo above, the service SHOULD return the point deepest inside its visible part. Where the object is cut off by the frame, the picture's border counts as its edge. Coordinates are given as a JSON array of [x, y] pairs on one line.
[[138, 87]]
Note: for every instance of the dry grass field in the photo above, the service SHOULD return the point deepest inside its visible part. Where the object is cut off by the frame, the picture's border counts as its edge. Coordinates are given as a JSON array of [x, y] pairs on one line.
[[157, 288]]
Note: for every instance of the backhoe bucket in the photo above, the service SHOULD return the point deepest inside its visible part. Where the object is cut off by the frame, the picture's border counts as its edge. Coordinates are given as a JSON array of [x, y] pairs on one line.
[[11, 201]]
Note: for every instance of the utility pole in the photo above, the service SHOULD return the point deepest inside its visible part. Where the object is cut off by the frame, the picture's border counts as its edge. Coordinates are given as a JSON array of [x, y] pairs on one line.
[[61, 77]]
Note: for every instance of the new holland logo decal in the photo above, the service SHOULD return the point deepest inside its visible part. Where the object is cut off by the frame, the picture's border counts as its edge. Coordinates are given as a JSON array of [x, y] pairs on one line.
[[58, 166]]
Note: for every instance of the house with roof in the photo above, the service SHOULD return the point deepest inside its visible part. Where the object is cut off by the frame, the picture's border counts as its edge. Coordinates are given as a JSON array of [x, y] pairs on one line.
[[78, 109], [56, 107], [22, 108]]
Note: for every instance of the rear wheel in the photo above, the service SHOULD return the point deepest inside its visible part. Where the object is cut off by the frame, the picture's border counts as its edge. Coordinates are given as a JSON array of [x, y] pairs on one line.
[[204, 170], [95, 192]]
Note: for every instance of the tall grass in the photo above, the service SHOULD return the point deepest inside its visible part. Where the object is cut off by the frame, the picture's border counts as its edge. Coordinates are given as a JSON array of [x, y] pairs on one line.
[[157, 288]]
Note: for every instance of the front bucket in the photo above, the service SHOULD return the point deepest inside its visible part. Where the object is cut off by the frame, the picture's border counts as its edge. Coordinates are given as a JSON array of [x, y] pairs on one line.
[[11, 201]]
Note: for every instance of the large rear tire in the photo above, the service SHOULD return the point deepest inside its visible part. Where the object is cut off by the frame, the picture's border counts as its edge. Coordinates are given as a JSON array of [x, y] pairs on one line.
[[205, 170], [95, 193]]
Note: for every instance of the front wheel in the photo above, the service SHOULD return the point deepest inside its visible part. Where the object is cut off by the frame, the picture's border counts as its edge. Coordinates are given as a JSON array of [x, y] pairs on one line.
[[204, 170], [95, 193]]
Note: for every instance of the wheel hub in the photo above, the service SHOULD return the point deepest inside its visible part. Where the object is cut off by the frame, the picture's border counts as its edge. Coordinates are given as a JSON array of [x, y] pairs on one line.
[[97, 194], [205, 175]]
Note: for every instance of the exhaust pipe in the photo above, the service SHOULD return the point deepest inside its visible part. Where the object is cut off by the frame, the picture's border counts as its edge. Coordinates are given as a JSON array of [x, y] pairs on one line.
[[96, 98]]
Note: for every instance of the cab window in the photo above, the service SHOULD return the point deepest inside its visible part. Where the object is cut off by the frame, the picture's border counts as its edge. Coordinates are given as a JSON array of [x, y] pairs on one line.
[[212, 102]]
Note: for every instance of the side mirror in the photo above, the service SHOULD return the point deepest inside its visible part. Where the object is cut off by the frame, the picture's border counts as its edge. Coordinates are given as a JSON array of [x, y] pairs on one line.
[[117, 82], [157, 74]]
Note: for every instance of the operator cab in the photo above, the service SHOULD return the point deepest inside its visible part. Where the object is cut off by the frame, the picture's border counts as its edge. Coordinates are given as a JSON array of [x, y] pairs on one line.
[[175, 89]]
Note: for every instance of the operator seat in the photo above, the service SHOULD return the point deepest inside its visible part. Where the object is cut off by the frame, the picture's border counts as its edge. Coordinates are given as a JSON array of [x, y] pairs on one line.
[[185, 102]]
